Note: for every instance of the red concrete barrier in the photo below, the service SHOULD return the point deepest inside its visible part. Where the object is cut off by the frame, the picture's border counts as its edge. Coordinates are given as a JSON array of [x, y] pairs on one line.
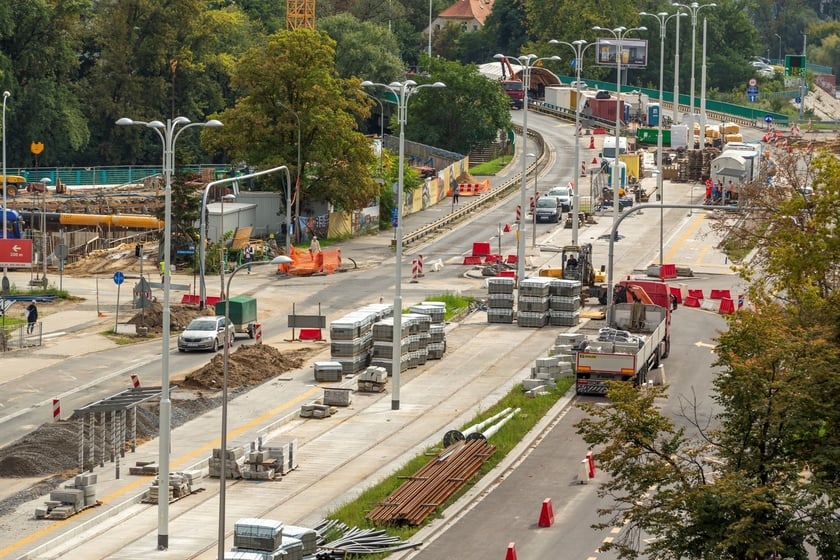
[[492, 259], [507, 274], [472, 260], [691, 301], [668, 271], [720, 294], [727, 307], [310, 334], [695, 294], [481, 249], [676, 292], [511, 259]]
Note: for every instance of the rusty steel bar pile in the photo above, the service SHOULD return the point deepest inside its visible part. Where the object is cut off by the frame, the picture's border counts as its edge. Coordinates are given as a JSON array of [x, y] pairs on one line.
[[421, 494]]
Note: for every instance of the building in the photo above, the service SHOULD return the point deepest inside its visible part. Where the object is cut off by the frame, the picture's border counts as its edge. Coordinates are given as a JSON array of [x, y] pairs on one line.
[[470, 14]]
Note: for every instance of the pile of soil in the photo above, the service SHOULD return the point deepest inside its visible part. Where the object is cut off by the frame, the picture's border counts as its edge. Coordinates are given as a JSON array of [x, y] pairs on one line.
[[179, 316], [248, 365]]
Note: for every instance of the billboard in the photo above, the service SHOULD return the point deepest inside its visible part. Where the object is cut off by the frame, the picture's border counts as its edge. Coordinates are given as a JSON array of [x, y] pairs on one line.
[[634, 52]]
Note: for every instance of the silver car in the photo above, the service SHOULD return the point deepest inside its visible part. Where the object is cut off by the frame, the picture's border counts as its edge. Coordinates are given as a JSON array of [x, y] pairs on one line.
[[206, 333], [547, 209]]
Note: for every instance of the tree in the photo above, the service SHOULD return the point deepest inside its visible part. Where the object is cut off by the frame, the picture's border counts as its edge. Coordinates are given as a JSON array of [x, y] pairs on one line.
[[363, 50], [481, 106], [291, 81]]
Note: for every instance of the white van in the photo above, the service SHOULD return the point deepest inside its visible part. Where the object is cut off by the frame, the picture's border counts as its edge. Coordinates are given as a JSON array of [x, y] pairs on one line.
[[608, 152]]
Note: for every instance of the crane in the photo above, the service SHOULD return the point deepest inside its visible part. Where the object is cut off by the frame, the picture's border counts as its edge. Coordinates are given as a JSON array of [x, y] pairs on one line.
[[300, 14]]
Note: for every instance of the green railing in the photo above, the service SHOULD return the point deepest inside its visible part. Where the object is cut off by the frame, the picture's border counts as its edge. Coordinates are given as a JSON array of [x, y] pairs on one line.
[[101, 176]]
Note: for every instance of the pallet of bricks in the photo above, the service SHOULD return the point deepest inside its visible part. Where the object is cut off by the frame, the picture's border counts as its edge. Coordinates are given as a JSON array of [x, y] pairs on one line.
[[283, 451], [372, 380], [266, 539], [561, 363], [500, 300], [436, 340], [233, 468], [532, 302], [564, 302], [351, 337], [76, 495], [413, 343], [180, 485]]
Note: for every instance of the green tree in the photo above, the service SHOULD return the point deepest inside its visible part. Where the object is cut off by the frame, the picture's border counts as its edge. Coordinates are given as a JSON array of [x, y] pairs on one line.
[[363, 50], [481, 106], [293, 77]]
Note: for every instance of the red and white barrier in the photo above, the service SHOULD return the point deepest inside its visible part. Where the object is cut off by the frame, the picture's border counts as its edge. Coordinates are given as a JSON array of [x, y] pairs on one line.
[[258, 333], [583, 168], [420, 266], [135, 381], [518, 213], [56, 410]]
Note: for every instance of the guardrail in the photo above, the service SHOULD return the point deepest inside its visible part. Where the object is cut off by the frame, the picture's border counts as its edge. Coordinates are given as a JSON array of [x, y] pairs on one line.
[[498, 192]]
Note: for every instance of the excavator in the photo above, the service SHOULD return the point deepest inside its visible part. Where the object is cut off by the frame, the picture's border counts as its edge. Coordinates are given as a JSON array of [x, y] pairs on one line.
[[512, 86], [577, 265]]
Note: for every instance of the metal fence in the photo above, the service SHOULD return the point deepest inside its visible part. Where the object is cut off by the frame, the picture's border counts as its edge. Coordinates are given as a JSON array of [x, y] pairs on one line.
[[17, 337], [100, 176]]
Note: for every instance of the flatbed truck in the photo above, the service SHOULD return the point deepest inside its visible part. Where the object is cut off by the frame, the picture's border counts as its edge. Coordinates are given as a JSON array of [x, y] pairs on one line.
[[637, 339]]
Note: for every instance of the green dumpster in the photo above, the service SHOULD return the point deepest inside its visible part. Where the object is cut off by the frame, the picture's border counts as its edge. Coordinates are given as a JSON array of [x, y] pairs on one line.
[[243, 313]]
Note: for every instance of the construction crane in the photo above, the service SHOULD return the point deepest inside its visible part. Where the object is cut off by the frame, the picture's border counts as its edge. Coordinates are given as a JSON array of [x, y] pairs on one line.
[[300, 14]]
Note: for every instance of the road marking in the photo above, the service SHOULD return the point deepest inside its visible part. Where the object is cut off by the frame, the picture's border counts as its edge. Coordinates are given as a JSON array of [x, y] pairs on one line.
[[700, 344], [689, 231]]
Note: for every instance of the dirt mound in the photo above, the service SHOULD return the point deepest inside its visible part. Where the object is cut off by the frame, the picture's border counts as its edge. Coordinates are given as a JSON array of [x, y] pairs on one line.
[[248, 365], [465, 177], [179, 316]]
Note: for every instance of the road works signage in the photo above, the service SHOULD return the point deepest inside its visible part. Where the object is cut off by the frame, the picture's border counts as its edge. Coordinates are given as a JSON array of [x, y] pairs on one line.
[[16, 253]]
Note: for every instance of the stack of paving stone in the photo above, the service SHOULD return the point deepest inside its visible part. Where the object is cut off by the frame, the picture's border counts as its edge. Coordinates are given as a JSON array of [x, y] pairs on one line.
[[316, 410], [337, 396], [259, 466], [383, 341], [564, 302], [233, 457], [283, 450], [545, 373], [307, 537], [532, 303], [180, 485], [328, 371], [144, 468], [350, 340], [372, 380], [436, 341], [418, 337], [76, 496], [500, 300], [257, 538]]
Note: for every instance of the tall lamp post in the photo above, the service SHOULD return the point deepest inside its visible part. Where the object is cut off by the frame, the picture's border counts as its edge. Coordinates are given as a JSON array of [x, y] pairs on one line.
[[282, 259], [536, 194], [779, 37], [527, 61], [619, 33], [6, 95], [289, 187], [578, 47], [693, 8], [202, 233], [663, 18], [168, 134], [402, 92], [381, 129]]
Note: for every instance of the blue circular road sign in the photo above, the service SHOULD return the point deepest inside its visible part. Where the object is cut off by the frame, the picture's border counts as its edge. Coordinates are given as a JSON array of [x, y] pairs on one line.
[[768, 118], [119, 278]]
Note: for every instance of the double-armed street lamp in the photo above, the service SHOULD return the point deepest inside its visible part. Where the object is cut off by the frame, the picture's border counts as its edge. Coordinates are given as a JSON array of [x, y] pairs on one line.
[[281, 259], [6, 95], [619, 33], [289, 187], [663, 18], [527, 61], [168, 134], [402, 91], [693, 8], [579, 47]]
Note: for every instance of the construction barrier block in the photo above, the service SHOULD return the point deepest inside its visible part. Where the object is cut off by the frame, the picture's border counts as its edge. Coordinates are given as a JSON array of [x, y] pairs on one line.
[[546, 514], [698, 294], [720, 294], [188, 299], [676, 292], [599, 131], [668, 271], [310, 334], [212, 301], [472, 260], [511, 552], [507, 274], [492, 259], [511, 259], [727, 307], [691, 301], [481, 249]]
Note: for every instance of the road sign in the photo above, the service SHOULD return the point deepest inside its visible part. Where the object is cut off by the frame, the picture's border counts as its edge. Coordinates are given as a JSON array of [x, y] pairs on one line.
[[16, 253], [119, 278], [768, 118], [61, 251], [752, 98], [752, 90], [753, 82], [798, 99]]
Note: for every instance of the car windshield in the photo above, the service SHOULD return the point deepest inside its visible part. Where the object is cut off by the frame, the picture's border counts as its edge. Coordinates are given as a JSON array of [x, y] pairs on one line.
[[201, 325], [546, 203], [559, 191]]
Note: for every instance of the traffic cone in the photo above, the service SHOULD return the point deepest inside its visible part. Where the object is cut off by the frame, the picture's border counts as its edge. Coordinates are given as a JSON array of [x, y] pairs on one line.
[[511, 552], [546, 514], [594, 161], [591, 142], [506, 228]]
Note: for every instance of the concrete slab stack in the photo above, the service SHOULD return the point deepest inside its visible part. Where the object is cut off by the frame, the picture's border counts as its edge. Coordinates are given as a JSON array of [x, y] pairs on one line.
[[372, 380], [76, 495], [533, 301], [564, 302], [233, 469], [500, 300]]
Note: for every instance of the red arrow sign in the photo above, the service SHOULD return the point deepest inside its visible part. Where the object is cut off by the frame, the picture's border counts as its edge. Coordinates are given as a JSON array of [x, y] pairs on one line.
[[16, 253]]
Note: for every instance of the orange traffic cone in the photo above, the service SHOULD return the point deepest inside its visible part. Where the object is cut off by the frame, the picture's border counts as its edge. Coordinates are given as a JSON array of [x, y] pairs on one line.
[[546, 514], [591, 142], [594, 161], [506, 228], [511, 552]]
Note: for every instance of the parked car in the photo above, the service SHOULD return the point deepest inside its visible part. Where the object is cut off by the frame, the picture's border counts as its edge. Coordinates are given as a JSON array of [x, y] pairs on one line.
[[565, 195], [547, 209], [206, 333]]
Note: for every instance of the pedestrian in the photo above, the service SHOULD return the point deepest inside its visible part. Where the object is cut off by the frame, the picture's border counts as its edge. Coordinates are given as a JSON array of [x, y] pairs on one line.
[[162, 271], [314, 246], [249, 256], [31, 313], [455, 196]]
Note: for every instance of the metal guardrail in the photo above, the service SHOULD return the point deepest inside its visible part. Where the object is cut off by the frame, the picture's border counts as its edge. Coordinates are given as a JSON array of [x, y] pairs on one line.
[[498, 192]]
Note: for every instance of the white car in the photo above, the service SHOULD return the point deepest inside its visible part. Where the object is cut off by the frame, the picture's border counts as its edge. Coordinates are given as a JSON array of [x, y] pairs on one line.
[[564, 195], [206, 333]]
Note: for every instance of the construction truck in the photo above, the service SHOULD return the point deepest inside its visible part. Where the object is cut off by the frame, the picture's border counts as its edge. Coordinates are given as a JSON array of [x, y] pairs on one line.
[[13, 183], [512, 86], [637, 338], [577, 265]]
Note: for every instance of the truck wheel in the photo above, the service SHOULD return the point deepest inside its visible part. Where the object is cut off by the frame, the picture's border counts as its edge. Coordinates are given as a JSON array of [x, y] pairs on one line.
[[656, 358], [667, 347], [251, 331]]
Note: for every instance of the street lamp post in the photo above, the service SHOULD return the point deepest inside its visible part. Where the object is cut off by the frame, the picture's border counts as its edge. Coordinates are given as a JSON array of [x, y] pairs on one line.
[[223, 242], [282, 259], [202, 228], [693, 8], [779, 37], [663, 18], [6, 95], [289, 187], [578, 47], [402, 92], [430, 28], [619, 33], [534, 210], [527, 62], [168, 134], [381, 129]]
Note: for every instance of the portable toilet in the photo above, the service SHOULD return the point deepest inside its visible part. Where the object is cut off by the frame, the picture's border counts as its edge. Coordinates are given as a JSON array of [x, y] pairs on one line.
[[622, 173], [653, 114]]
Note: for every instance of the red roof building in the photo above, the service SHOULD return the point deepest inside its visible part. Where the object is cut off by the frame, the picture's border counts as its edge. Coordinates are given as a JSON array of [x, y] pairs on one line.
[[470, 14]]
